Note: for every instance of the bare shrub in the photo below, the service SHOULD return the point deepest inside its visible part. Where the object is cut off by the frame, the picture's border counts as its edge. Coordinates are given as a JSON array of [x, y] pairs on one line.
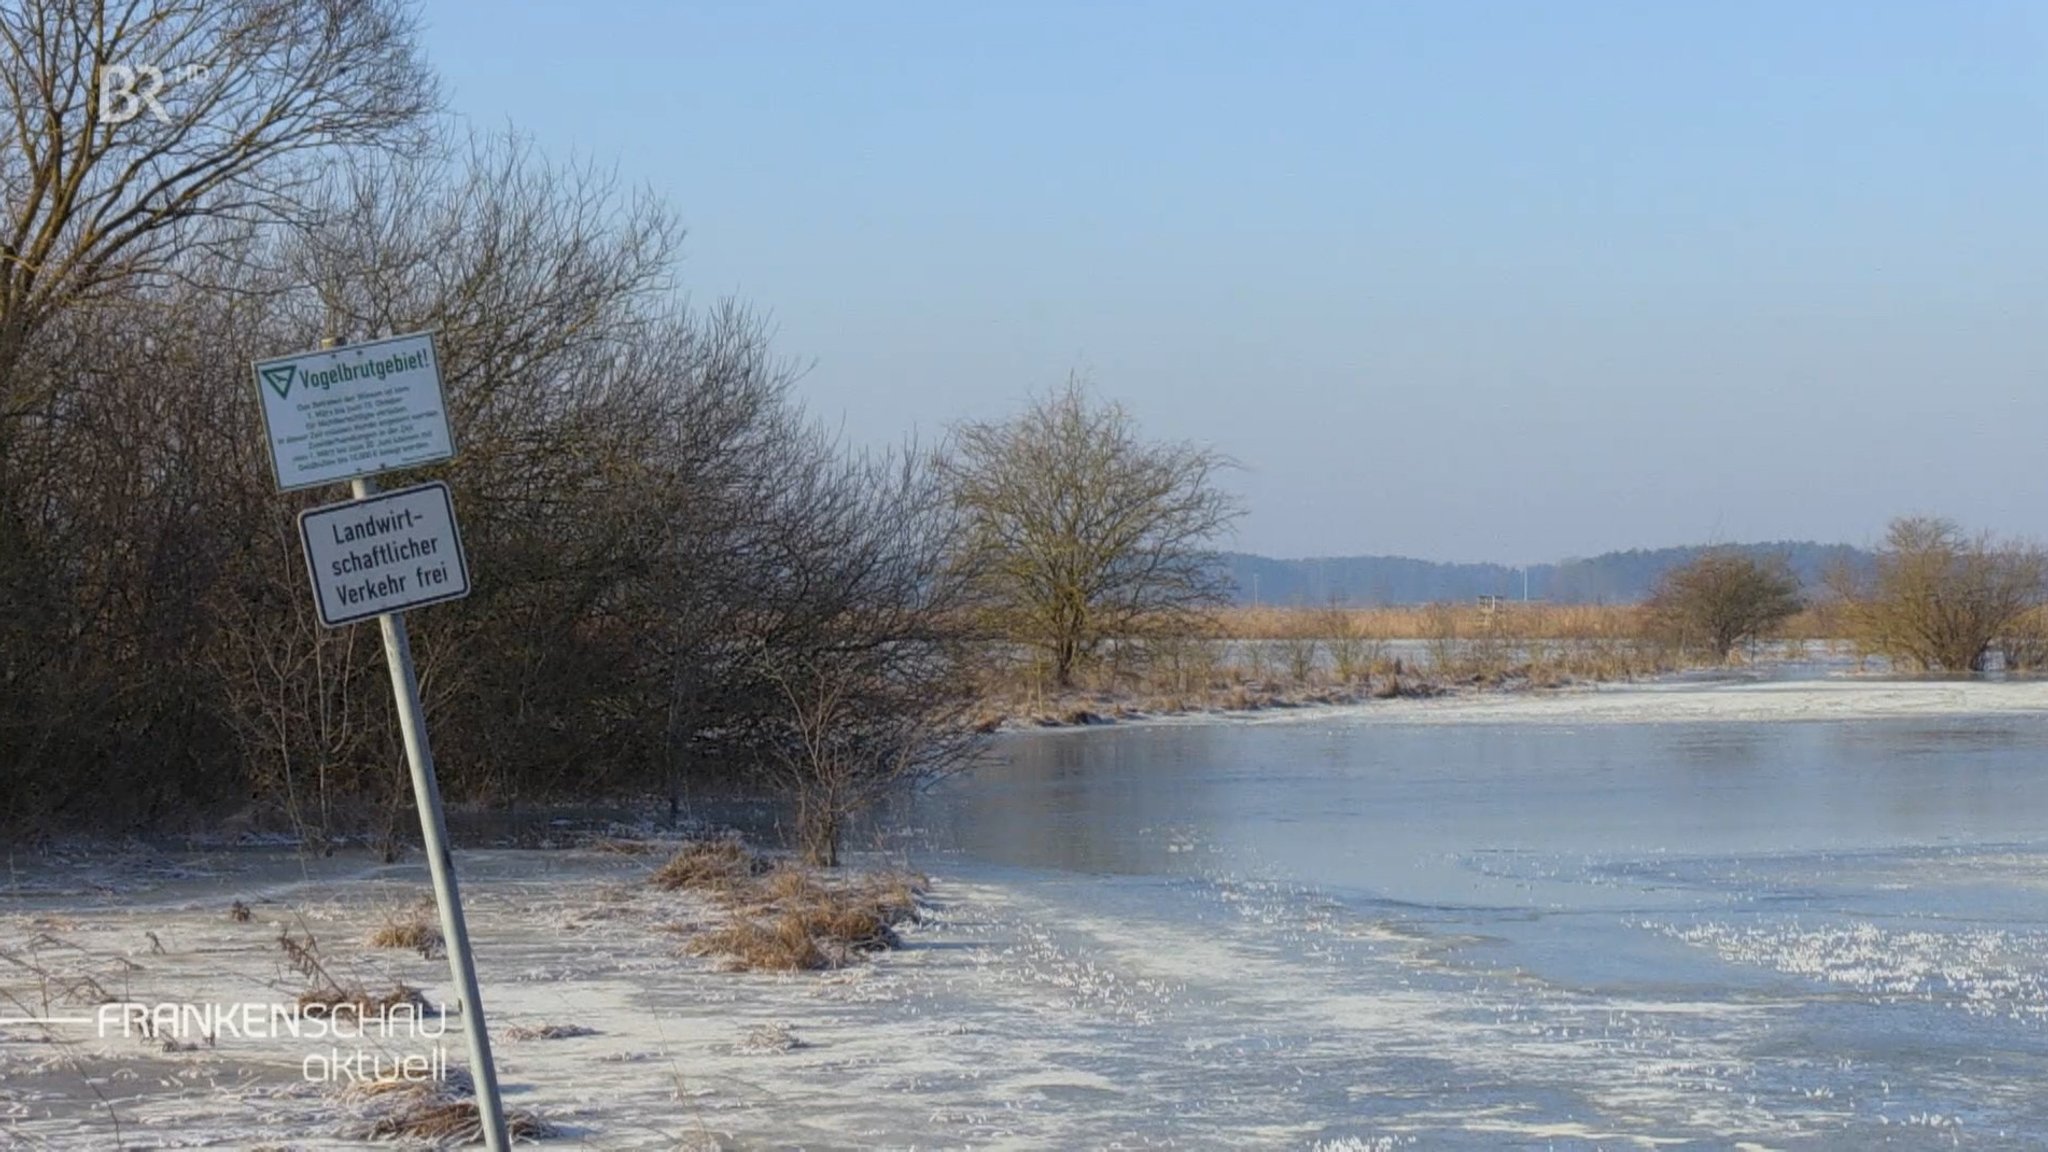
[[1353, 651], [634, 473], [709, 865], [1301, 648], [1255, 659], [412, 933], [794, 920], [1445, 652], [869, 680], [1183, 663], [1721, 599], [1939, 599], [2023, 644]]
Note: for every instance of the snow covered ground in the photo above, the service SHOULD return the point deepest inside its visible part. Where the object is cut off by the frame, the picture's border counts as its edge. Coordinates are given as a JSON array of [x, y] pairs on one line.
[[1245, 935]]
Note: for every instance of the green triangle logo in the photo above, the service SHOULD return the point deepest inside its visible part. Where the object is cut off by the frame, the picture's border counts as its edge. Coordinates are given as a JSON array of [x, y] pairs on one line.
[[280, 379]]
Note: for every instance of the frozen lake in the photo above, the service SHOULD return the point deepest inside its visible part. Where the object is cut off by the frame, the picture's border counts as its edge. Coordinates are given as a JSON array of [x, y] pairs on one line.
[[1792, 914], [1703, 915]]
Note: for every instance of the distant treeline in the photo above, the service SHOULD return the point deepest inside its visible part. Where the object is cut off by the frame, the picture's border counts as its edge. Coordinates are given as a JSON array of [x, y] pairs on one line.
[[1610, 578]]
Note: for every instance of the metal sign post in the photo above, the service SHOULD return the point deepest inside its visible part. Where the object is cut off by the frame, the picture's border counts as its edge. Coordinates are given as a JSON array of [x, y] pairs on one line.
[[348, 414], [426, 791]]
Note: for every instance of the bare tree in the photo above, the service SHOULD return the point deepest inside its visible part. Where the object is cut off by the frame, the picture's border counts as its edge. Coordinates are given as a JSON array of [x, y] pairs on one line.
[[1939, 599], [1079, 531], [1184, 663], [1440, 632], [1352, 651], [2023, 645], [1301, 644], [676, 574], [1723, 598], [136, 129], [868, 660]]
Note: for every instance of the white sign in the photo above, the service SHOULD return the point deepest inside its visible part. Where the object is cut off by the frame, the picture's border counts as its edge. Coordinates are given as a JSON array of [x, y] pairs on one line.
[[340, 413], [385, 553]]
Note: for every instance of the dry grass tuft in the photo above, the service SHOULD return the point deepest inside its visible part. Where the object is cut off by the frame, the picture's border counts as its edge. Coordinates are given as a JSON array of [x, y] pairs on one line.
[[853, 927], [898, 894], [522, 1032], [778, 943], [444, 1122], [793, 920], [709, 866], [1425, 621], [784, 883], [441, 1114], [767, 1038], [326, 1000], [414, 934], [240, 913]]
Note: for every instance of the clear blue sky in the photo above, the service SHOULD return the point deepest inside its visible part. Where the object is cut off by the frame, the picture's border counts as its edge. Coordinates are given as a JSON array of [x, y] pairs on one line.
[[1505, 281]]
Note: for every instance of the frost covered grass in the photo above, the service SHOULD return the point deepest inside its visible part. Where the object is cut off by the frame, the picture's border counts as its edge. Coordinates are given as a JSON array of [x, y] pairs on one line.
[[789, 918], [414, 933], [718, 866], [361, 1001], [524, 1032], [440, 1115]]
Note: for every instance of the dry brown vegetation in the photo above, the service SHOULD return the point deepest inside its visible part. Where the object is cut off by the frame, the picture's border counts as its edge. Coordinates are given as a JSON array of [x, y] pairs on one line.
[[709, 866], [2023, 645], [412, 933], [1942, 600], [415, 1110], [1252, 659], [524, 1032], [789, 917], [327, 999], [1535, 621], [327, 994], [1720, 599]]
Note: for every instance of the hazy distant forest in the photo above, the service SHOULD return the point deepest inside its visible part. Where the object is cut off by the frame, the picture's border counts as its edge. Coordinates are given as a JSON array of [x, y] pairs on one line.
[[678, 577], [1609, 578]]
